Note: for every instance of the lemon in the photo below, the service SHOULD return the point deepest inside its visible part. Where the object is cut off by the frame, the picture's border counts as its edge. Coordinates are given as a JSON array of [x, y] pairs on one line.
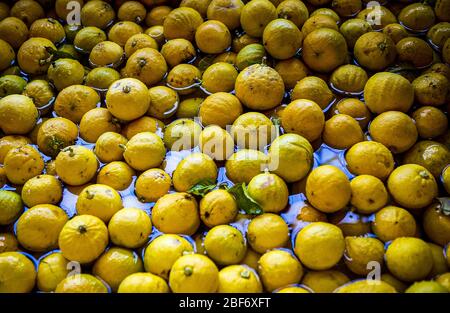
[[142, 124], [412, 186], [184, 78], [176, 213], [117, 175], [303, 117], [216, 142], [96, 122], [328, 189], [225, 245], [259, 87], [409, 259], [42, 189], [146, 65], [245, 164], [143, 283], [163, 251], [8, 242], [439, 261], [315, 89], [8, 54], [127, 99], [194, 273], [74, 101], [17, 273], [177, 51], [115, 265], [252, 130], [219, 77], [33, 57], [226, 11], [444, 280], [324, 281], [220, 108], [182, 134], [426, 287], [109, 147], [319, 245], [139, 41], [212, 37], [279, 268], [366, 286], [87, 38], [342, 131], [10, 142], [23, 163], [152, 185], [282, 39], [76, 165], [38, 228], [255, 16], [430, 121], [193, 169], [360, 251], [239, 278], [394, 282], [291, 71], [99, 200], [11, 84], [18, 115], [432, 155], [164, 102], [65, 72], [436, 224], [55, 134], [182, 22], [52, 269], [218, 207], [81, 283], [189, 108], [106, 53], [266, 232], [291, 157], [101, 78], [251, 259], [270, 191], [83, 238], [145, 144], [130, 228], [393, 222], [11, 205], [368, 194], [370, 158]]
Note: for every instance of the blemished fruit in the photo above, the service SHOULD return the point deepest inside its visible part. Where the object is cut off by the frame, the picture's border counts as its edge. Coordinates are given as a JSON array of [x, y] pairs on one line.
[[230, 146]]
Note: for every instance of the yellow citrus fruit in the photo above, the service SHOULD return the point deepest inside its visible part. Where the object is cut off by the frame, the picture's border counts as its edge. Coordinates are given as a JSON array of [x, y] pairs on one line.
[[266, 232], [12, 206], [255, 16], [225, 245], [18, 273], [245, 164], [366, 286], [328, 189], [415, 51], [252, 130], [293, 289], [426, 287], [163, 102], [436, 224], [431, 89], [147, 65], [216, 142], [412, 186], [388, 92], [393, 222], [432, 155], [65, 72], [8, 55], [176, 213], [342, 131], [370, 158], [439, 261], [430, 121], [18, 114], [177, 51], [319, 245], [303, 117], [250, 54], [144, 151], [99, 200], [395, 130], [81, 283], [116, 264], [132, 11], [8, 243], [83, 238], [409, 259], [163, 251], [52, 269], [444, 280], [324, 281], [109, 147], [226, 11], [76, 165], [143, 283], [294, 11], [315, 89], [117, 175], [182, 134], [33, 57], [282, 39], [193, 169], [96, 122], [152, 185], [182, 23], [360, 251], [212, 37], [221, 109], [218, 77], [251, 259], [127, 99], [106, 53], [394, 282], [349, 79], [130, 228], [279, 268], [48, 28], [395, 31], [74, 101], [352, 29], [317, 21], [259, 87], [38, 228], [354, 108], [368, 194], [375, 51], [239, 278], [218, 207], [324, 49], [291, 157], [10, 142], [417, 16], [22, 163], [41, 189], [142, 124], [270, 191], [55, 134], [184, 78], [291, 70], [101, 78]]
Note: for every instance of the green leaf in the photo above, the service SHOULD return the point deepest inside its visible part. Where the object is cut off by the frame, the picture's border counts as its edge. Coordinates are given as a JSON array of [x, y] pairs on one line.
[[244, 201], [203, 187], [57, 54]]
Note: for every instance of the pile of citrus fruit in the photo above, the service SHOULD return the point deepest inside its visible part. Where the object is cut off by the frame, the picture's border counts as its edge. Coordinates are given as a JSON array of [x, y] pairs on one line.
[[224, 146]]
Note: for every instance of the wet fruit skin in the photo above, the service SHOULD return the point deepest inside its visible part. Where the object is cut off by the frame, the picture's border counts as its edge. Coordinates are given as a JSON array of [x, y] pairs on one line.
[[224, 146]]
